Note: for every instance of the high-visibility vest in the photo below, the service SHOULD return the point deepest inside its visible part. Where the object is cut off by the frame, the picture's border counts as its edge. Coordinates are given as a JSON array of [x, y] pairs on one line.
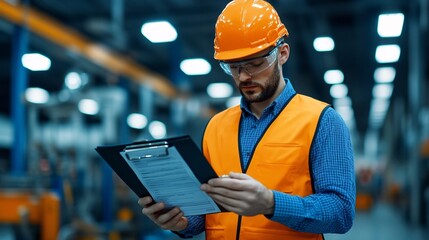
[[280, 161]]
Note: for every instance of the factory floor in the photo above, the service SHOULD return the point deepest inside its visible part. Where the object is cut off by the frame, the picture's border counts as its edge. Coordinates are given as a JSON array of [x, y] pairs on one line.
[[382, 222]]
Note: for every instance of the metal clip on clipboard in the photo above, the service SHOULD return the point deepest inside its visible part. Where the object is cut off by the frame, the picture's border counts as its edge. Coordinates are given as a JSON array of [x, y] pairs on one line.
[[146, 150]]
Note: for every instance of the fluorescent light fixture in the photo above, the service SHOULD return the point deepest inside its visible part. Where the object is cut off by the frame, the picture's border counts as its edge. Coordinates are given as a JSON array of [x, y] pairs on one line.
[[387, 53], [323, 44], [342, 102], [375, 123], [346, 112], [333, 76], [36, 95], [382, 91], [157, 129], [195, 66], [233, 101], [384, 74], [377, 115], [379, 105], [88, 106], [159, 32], [219, 90], [390, 25], [378, 111], [137, 120], [339, 91], [75, 80], [36, 62]]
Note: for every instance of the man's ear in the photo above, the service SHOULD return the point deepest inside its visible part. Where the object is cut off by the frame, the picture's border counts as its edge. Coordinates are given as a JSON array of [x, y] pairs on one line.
[[284, 51]]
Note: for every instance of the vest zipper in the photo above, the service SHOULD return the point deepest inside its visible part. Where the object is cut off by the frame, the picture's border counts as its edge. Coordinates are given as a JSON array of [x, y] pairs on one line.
[[237, 236]]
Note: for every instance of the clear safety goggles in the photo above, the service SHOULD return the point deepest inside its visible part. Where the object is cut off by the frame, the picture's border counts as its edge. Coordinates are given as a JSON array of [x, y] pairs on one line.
[[251, 66]]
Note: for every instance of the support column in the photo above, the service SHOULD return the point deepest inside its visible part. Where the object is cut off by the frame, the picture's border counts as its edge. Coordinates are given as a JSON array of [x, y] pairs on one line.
[[19, 84], [417, 14], [182, 82]]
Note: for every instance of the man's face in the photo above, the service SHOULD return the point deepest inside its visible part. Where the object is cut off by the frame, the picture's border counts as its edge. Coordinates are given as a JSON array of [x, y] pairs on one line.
[[260, 87]]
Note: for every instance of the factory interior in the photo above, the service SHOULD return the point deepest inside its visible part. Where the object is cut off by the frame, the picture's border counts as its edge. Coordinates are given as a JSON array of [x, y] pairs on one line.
[[77, 74]]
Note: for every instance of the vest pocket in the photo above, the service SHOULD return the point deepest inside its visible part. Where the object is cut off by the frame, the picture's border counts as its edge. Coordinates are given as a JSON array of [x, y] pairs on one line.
[[215, 233], [278, 164], [282, 153]]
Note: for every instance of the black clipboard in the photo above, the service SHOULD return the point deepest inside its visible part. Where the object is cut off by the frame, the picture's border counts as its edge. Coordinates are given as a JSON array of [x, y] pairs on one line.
[[185, 146]]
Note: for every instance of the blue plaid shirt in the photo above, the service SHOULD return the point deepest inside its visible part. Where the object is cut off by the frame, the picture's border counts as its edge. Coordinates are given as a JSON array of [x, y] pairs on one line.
[[331, 208]]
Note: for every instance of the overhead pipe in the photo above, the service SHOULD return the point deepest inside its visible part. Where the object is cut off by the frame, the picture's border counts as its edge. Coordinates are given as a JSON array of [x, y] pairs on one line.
[[65, 37]]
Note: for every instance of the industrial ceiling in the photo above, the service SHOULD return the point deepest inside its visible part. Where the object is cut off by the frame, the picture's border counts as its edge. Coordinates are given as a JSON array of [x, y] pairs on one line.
[[115, 25]]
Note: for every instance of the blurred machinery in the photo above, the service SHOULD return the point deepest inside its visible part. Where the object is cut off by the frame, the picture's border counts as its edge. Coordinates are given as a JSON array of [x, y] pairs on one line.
[[67, 191], [26, 209]]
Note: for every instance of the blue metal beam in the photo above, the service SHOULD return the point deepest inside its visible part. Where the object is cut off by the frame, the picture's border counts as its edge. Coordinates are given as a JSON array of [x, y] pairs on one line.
[[19, 85]]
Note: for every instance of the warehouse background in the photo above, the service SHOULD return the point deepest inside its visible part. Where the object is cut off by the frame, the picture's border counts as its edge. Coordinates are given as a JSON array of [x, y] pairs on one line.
[[75, 74]]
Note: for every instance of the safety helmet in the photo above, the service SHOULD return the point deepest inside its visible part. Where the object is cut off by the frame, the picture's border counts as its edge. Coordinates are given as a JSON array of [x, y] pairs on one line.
[[246, 27]]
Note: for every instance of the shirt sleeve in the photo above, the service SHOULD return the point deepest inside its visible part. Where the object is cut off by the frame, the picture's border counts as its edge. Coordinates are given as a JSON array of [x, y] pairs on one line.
[[196, 225], [331, 208]]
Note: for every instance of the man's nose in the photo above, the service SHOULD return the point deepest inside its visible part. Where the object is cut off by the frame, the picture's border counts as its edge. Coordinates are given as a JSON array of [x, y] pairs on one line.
[[243, 75]]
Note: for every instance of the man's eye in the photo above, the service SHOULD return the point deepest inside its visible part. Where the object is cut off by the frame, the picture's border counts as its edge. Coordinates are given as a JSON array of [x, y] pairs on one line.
[[254, 64], [233, 67]]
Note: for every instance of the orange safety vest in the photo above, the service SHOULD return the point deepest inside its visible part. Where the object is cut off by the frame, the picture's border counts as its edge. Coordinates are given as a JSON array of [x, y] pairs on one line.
[[280, 162]]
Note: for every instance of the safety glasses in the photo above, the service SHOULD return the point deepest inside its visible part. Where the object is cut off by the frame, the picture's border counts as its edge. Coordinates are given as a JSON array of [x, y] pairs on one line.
[[251, 66]]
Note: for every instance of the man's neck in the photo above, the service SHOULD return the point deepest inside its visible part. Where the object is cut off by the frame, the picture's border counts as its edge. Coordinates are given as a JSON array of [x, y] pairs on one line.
[[258, 108]]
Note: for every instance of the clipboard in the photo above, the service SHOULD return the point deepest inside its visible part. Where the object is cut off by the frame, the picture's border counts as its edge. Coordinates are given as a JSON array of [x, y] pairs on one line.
[[143, 150]]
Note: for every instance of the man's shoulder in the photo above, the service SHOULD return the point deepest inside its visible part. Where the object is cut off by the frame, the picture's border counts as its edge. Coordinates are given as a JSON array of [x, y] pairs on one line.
[[311, 100], [227, 113]]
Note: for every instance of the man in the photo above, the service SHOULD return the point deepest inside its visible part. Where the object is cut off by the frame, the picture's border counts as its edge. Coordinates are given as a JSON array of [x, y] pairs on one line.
[[286, 159]]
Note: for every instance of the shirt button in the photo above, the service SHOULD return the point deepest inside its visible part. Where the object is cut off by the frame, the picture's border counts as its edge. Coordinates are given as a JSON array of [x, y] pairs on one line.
[[248, 154]]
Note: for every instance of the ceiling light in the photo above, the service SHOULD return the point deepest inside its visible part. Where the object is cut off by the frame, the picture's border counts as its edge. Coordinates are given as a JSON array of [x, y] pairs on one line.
[[333, 76], [36, 62], [387, 53], [157, 129], [375, 123], [378, 112], [384, 74], [379, 105], [36, 95], [137, 120], [346, 112], [88, 106], [195, 66], [323, 44], [75, 80], [159, 32], [382, 91], [342, 102], [338, 91], [219, 90], [390, 25]]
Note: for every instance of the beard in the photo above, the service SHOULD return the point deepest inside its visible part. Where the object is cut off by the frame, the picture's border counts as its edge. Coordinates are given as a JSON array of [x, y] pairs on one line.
[[267, 90]]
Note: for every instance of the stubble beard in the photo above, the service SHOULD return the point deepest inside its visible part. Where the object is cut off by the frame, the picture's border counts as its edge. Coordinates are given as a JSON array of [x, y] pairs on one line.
[[267, 91]]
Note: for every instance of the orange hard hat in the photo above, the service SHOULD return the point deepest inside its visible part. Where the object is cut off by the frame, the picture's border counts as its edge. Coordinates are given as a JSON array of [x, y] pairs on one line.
[[246, 27]]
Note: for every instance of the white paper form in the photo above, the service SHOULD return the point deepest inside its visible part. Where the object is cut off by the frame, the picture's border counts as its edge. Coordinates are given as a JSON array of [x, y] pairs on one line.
[[170, 180]]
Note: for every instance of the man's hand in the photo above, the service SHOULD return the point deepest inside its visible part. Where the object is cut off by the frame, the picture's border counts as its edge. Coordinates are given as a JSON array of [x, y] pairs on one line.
[[166, 219], [241, 194]]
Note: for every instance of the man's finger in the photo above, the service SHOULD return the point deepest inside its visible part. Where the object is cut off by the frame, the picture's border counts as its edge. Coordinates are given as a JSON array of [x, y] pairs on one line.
[[229, 183], [166, 218], [153, 209], [144, 201], [241, 176]]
